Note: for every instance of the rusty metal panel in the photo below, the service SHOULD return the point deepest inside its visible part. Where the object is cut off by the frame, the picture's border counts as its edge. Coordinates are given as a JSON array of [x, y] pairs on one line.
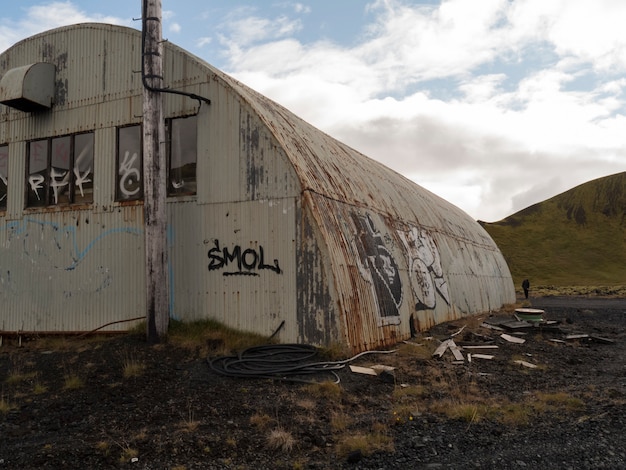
[[395, 274]]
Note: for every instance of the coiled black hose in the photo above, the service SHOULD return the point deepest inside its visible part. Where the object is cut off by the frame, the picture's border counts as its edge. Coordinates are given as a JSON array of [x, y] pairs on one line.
[[290, 362]]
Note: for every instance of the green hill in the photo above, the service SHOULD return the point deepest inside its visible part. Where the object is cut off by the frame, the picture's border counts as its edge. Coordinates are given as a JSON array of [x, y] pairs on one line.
[[577, 238]]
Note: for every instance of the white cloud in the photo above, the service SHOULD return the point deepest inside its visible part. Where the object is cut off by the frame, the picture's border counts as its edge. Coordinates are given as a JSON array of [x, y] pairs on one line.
[[503, 133], [493, 105], [46, 16]]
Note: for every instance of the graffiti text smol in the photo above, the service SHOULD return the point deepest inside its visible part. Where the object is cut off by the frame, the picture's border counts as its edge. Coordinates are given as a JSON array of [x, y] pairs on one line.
[[247, 261]]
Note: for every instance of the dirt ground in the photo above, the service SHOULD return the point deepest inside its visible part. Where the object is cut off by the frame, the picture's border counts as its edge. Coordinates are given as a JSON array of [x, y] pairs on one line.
[[116, 402]]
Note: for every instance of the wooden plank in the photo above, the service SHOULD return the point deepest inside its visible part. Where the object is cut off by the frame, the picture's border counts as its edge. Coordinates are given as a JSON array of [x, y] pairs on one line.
[[526, 364], [491, 327], [581, 336], [601, 339], [512, 339], [363, 370], [479, 346], [441, 348], [483, 356], [458, 355]]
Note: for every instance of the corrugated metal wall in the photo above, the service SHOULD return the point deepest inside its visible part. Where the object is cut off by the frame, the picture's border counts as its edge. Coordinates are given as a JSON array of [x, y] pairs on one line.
[[288, 225]]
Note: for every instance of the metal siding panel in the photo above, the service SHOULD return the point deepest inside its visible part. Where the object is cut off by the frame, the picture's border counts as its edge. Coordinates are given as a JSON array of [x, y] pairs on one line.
[[220, 170], [71, 271], [254, 297]]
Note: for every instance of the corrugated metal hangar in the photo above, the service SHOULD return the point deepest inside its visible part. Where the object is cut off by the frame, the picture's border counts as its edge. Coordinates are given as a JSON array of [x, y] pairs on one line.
[[269, 219]]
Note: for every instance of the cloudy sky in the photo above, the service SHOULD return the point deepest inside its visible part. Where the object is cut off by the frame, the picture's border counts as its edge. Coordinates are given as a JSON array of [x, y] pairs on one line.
[[491, 104]]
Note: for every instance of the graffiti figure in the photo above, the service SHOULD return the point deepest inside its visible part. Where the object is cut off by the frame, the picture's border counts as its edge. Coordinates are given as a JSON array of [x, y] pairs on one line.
[[378, 265], [425, 270]]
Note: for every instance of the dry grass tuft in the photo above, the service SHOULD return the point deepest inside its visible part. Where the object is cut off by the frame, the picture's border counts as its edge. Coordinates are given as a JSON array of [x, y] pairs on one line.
[[329, 390], [72, 382], [5, 405], [282, 440], [131, 367], [367, 444], [261, 420]]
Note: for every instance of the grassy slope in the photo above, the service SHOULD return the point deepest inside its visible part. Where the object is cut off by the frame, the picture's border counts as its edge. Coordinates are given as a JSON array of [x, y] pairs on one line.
[[577, 238]]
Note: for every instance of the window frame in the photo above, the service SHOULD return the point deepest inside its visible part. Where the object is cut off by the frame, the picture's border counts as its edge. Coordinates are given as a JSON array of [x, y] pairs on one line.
[[172, 189], [49, 183], [120, 194]]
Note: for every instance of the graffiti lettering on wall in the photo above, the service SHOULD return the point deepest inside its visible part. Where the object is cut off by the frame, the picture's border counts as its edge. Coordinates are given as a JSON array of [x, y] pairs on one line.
[[425, 271], [130, 177], [247, 262], [378, 266]]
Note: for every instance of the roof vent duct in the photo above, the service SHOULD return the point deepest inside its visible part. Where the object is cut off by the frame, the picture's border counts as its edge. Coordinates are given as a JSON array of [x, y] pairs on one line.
[[29, 88]]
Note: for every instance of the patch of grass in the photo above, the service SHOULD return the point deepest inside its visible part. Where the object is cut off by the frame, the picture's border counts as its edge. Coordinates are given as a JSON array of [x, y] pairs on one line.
[[5, 405], [17, 377], [131, 367], [204, 334], [366, 443], [327, 389], [103, 447], [39, 388], [189, 423], [280, 439], [128, 454], [421, 350], [559, 401], [261, 420], [339, 421], [512, 414], [72, 382]]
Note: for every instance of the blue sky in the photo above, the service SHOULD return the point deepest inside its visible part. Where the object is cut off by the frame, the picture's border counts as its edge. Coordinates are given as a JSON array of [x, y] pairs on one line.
[[492, 104]]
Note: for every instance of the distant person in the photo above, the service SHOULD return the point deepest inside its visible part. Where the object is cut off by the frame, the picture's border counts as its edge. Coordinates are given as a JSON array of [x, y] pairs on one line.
[[526, 286]]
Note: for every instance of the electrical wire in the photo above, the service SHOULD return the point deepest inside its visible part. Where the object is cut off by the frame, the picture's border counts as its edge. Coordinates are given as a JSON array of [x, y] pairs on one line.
[[290, 362], [144, 77]]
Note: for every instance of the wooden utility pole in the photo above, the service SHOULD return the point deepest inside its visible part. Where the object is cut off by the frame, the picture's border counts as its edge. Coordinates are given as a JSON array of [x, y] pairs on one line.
[[154, 174]]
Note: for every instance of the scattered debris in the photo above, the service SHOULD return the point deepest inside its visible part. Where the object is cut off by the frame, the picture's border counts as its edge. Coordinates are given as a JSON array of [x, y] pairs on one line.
[[363, 370], [458, 355], [449, 344], [529, 314], [512, 339], [383, 372], [481, 356], [442, 348], [454, 334], [526, 364], [491, 327]]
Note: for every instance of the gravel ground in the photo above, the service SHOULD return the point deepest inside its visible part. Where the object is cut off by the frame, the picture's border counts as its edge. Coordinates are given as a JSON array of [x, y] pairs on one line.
[[176, 413]]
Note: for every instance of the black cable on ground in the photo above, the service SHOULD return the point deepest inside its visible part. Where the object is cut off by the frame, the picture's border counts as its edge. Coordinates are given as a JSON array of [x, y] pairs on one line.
[[291, 362]]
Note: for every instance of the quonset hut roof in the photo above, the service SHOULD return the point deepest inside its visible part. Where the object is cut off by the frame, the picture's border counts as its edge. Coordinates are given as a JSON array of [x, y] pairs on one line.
[[366, 256]]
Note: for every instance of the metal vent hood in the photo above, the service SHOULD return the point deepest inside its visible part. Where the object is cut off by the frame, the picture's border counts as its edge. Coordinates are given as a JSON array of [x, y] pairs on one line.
[[29, 88]]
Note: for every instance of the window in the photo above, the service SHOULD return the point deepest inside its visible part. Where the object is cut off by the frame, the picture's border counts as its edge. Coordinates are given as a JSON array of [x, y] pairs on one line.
[[129, 185], [60, 170], [182, 153], [4, 165], [181, 165]]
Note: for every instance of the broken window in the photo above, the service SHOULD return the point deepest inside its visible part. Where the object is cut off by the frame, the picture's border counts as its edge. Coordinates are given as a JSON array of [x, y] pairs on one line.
[[182, 154], [129, 184], [4, 166], [60, 170]]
